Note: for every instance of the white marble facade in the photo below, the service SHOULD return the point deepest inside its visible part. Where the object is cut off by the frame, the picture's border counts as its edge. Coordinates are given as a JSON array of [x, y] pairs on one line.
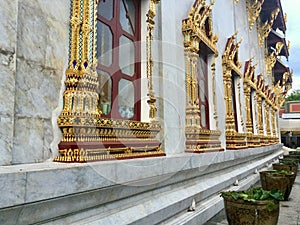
[[34, 53], [34, 42]]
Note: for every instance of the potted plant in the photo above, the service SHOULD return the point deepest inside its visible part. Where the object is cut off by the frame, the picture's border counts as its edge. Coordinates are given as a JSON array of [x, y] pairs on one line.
[[287, 164], [292, 157], [294, 153], [282, 180], [289, 161], [253, 206]]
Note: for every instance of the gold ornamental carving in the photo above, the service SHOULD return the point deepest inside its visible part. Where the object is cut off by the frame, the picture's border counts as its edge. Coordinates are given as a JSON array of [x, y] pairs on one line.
[[86, 135], [266, 27], [150, 62], [231, 65], [272, 58], [254, 8], [280, 90], [196, 29], [249, 87]]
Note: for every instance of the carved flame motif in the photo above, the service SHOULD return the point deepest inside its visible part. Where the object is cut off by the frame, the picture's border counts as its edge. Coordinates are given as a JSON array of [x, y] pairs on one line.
[[271, 59], [265, 29], [254, 10]]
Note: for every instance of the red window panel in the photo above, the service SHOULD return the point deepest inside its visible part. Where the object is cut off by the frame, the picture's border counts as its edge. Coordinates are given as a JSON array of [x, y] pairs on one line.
[[118, 53]]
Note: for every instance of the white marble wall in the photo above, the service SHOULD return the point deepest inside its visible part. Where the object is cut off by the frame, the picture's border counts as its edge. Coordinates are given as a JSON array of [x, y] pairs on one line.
[[172, 74], [33, 52], [8, 42], [228, 18], [33, 58]]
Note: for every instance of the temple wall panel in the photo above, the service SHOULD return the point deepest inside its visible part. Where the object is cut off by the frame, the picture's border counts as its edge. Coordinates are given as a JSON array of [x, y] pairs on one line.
[[34, 57], [34, 49], [34, 45], [172, 71], [223, 26], [8, 43]]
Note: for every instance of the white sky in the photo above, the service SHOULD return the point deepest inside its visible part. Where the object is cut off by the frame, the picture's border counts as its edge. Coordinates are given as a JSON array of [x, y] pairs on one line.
[[292, 8]]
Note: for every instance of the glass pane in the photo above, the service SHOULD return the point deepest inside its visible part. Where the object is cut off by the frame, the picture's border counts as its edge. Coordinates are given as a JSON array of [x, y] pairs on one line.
[[203, 116], [126, 99], [104, 44], [106, 8], [202, 67], [127, 15], [104, 91], [202, 91], [126, 56]]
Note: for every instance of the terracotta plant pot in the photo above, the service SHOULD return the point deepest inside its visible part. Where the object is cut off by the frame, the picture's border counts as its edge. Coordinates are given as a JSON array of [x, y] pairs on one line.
[[272, 179], [253, 206], [287, 166], [240, 212]]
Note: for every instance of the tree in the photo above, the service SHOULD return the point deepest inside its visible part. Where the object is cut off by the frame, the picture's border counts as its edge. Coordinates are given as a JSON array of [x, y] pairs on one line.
[[294, 96]]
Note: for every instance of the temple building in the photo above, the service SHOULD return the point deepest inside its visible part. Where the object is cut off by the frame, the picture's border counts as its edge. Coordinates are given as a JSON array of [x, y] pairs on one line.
[[289, 120], [134, 111]]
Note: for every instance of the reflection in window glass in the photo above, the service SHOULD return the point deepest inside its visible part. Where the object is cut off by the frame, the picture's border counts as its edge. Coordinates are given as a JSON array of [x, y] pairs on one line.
[[126, 55], [127, 15], [202, 67], [202, 91], [203, 116], [126, 99], [105, 93], [105, 9], [104, 44]]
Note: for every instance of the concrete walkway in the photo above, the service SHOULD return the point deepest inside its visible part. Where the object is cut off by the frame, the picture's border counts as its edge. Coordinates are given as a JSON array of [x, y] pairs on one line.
[[289, 210]]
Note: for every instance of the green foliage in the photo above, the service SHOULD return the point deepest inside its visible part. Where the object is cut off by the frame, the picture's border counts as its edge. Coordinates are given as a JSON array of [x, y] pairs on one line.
[[255, 194], [289, 162], [294, 96], [280, 172]]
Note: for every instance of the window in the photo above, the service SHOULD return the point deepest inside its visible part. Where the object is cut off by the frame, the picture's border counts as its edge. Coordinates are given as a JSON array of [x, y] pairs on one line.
[[118, 53], [203, 90]]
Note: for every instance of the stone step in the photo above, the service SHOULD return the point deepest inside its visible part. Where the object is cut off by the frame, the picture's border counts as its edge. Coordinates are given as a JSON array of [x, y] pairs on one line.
[[168, 205]]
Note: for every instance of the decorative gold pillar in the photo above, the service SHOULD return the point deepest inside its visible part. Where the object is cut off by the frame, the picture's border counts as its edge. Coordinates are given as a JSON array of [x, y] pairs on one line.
[[260, 116], [150, 63], [86, 135], [274, 127], [194, 30], [231, 65], [253, 140], [267, 118], [80, 114], [213, 69], [230, 123], [249, 121]]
